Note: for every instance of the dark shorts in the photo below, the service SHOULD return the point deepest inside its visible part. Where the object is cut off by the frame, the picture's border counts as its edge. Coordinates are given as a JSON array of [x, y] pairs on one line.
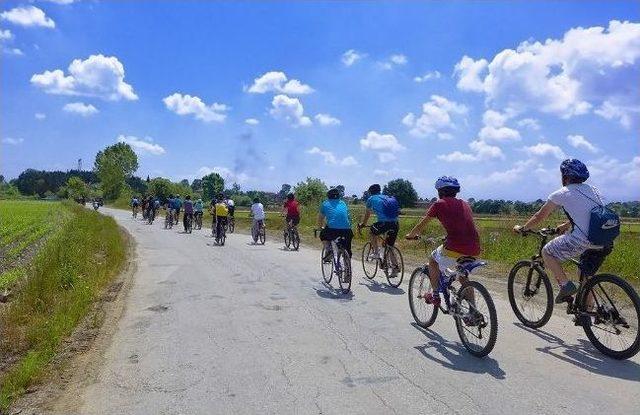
[[231, 210], [329, 234], [592, 259], [390, 228], [294, 219]]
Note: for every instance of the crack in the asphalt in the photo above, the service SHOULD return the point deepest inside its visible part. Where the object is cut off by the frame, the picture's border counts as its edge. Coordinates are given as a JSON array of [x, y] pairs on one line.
[[381, 399]]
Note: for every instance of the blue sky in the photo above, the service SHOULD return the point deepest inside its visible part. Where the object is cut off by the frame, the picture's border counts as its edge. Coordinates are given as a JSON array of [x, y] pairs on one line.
[[495, 93]]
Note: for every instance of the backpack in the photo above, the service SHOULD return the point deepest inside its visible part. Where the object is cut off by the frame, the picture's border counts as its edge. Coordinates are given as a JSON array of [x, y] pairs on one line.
[[604, 224], [390, 206]]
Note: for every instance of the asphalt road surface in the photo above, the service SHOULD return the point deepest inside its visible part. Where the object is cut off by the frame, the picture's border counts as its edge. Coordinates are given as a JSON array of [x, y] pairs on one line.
[[245, 329]]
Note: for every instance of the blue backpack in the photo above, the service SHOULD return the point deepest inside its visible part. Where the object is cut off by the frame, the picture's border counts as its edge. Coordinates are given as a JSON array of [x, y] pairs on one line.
[[604, 224], [390, 206]]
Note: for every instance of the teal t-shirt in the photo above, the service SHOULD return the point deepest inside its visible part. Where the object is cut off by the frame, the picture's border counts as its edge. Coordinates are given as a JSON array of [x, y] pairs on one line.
[[337, 214], [375, 203]]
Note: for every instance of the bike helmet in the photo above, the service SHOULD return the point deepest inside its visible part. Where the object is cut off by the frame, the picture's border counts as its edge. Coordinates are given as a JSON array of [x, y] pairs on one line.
[[333, 193], [574, 168], [447, 181]]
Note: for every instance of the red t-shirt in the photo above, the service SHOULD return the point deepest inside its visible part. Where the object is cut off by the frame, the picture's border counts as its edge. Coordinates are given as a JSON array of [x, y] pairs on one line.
[[292, 207], [456, 218]]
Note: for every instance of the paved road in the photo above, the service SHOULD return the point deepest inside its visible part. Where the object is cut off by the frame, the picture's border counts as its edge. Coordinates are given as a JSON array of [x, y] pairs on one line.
[[244, 329]]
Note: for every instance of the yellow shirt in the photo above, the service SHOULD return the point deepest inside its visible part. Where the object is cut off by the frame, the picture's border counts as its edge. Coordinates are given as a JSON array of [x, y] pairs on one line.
[[221, 210]]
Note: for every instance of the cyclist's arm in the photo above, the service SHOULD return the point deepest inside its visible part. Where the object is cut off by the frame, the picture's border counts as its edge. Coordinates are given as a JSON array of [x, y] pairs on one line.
[[419, 227], [320, 220], [540, 215], [563, 227], [365, 219]]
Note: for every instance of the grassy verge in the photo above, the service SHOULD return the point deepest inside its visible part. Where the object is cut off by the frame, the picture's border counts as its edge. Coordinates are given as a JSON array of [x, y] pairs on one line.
[[60, 285]]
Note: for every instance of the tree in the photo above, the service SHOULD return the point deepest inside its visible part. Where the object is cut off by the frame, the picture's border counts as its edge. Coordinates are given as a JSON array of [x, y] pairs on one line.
[[235, 189], [113, 166], [160, 187], [185, 183], [196, 185], [212, 184], [284, 191], [76, 188], [311, 191], [403, 191], [137, 185]]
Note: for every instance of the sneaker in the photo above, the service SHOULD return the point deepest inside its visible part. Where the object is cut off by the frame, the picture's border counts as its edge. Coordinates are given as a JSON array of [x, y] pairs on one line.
[[472, 318], [394, 272], [566, 291], [432, 298]]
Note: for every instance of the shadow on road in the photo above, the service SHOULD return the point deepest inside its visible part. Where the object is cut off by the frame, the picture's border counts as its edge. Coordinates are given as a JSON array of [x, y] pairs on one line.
[[456, 357], [333, 294], [376, 287], [585, 356]]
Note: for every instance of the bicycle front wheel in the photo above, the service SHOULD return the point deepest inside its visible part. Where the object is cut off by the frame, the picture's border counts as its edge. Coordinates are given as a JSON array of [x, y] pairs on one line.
[[615, 308], [419, 286], [392, 253], [295, 240], [476, 319], [369, 261], [287, 238], [326, 264], [530, 294], [344, 276], [262, 236], [232, 226]]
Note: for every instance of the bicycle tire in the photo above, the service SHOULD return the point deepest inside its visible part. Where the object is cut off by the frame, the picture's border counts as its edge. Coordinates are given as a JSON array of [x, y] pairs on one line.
[[493, 329], [634, 348], [262, 236], [287, 238], [369, 261], [541, 279], [295, 240], [327, 274], [416, 284], [344, 280], [232, 226], [396, 281]]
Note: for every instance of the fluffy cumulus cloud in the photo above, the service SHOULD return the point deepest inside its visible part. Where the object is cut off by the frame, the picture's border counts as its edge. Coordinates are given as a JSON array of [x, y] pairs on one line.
[[79, 108], [13, 51], [227, 174], [290, 110], [251, 121], [380, 142], [6, 35], [393, 61], [330, 158], [530, 123], [12, 141], [589, 68], [494, 128], [39, 116], [193, 105], [427, 76], [28, 16], [545, 150], [617, 178], [277, 82], [351, 56], [142, 145], [436, 115], [97, 76], [578, 141], [480, 151], [327, 119]]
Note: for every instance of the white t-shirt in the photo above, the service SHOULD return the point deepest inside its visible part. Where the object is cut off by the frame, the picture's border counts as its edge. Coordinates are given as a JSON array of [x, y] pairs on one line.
[[257, 210], [229, 202], [578, 200]]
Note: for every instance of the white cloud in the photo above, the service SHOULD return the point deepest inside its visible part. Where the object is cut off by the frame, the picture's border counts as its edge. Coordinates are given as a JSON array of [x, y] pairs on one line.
[[227, 174], [393, 60], [436, 115], [13, 51], [481, 151], [278, 82], [142, 145], [28, 16], [381, 173], [530, 123], [488, 133], [457, 156], [545, 149], [427, 76], [380, 142], [251, 121], [12, 141], [385, 157], [290, 110], [352, 56], [445, 136], [579, 141], [193, 105], [327, 119], [62, 2], [6, 35], [623, 113], [80, 108], [565, 77], [618, 178], [97, 76], [330, 158], [40, 116]]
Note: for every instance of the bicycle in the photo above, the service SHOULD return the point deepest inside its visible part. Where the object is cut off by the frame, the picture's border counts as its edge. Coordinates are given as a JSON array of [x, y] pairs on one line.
[[339, 264], [168, 219], [291, 236], [135, 212], [231, 224], [476, 323], [371, 262], [593, 306], [197, 219], [259, 234], [221, 234], [188, 218]]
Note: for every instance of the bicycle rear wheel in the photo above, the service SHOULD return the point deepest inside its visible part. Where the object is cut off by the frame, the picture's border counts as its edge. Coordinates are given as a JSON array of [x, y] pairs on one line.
[[287, 238], [615, 331], [327, 267], [295, 239], [477, 320], [232, 225], [344, 276], [397, 280], [369, 261], [262, 236], [419, 286], [530, 294]]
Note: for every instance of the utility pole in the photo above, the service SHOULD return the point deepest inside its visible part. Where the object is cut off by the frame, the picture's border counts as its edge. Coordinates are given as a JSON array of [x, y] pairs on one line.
[[79, 164]]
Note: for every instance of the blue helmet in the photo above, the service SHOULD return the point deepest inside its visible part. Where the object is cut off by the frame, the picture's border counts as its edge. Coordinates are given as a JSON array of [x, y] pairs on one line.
[[447, 181], [574, 168]]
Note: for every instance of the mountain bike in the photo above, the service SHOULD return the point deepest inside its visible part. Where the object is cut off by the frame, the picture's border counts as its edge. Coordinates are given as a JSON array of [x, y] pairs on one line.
[[468, 302], [176, 217], [188, 223], [197, 219], [336, 260], [258, 232], [606, 306], [135, 212], [151, 216], [231, 224], [291, 236], [371, 262], [168, 219], [221, 234]]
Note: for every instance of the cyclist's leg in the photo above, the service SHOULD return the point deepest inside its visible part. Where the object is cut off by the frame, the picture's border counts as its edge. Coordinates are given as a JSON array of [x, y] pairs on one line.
[[392, 233], [326, 236], [373, 237], [590, 262]]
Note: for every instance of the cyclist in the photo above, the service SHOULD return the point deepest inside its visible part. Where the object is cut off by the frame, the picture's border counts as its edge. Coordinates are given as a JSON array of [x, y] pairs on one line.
[[257, 215], [221, 212], [135, 204], [334, 222], [386, 210], [170, 206], [291, 211], [231, 206], [462, 236], [188, 212], [177, 205], [576, 198], [198, 208]]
